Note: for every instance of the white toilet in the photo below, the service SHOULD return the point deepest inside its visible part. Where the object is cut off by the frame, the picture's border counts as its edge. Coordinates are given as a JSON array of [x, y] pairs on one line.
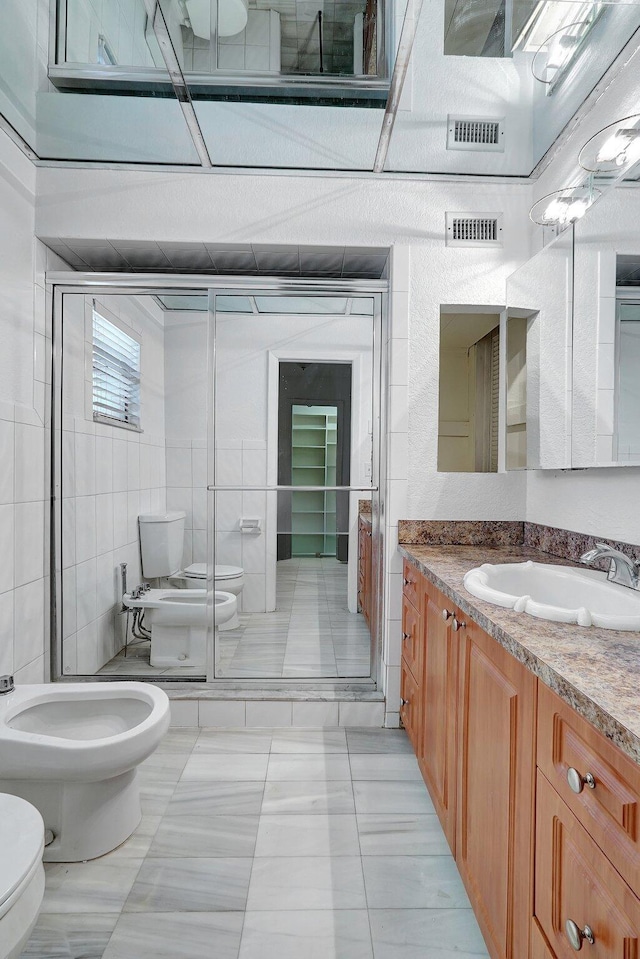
[[178, 622], [21, 873], [72, 750]]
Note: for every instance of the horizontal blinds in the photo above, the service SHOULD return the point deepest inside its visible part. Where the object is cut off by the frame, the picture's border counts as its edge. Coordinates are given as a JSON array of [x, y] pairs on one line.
[[116, 373]]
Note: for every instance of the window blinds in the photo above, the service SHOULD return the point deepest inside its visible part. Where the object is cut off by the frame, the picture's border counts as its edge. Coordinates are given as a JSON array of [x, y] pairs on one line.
[[116, 374]]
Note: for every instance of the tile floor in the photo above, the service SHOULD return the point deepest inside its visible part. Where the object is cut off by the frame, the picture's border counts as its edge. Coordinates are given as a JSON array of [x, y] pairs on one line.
[[311, 634], [269, 844]]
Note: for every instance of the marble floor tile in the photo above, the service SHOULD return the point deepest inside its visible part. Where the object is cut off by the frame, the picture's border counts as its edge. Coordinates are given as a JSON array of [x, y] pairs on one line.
[[209, 836], [308, 797], [190, 885], [163, 767], [426, 934], [381, 766], [155, 796], [413, 882], [210, 766], [216, 799], [178, 740], [312, 882], [139, 842], [316, 934], [389, 797], [283, 766], [397, 835], [324, 740], [70, 936], [378, 741], [312, 835], [177, 935], [96, 886], [236, 741]]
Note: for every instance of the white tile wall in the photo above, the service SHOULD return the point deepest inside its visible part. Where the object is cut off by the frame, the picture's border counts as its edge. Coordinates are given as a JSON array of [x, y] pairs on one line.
[[121, 22], [114, 475]]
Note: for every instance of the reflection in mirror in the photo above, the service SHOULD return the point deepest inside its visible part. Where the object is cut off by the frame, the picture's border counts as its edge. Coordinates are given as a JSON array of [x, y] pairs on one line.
[[293, 408], [607, 272], [468, 392], [516, 419], [627, 433], [539, 384]]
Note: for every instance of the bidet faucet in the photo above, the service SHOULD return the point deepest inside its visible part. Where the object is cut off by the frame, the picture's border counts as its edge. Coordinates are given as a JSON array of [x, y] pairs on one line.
[[6, 685], [622, 569]]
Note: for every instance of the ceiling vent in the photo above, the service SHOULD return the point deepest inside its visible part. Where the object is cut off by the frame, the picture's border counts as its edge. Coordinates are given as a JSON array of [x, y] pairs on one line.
[[475, 133], [474, 229]]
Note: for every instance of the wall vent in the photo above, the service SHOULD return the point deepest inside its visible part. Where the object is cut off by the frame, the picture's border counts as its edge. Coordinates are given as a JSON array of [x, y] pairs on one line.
[[475, 133], [474, 229]]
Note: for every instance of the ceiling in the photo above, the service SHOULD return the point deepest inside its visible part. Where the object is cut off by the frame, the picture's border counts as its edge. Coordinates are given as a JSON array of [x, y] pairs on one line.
[[237, 259], [462, 330]]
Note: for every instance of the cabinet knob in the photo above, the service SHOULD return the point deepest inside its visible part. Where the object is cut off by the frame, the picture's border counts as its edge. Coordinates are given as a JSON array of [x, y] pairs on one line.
[[458, 624], [447, 614], [576, 935], [404, 702], [406, 636], [407, 582], [578, 782]]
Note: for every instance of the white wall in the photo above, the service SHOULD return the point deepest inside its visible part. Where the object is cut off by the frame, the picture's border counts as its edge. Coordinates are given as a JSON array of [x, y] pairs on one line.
[[121, 22], [110, 475], [185, 372], [24, 416]]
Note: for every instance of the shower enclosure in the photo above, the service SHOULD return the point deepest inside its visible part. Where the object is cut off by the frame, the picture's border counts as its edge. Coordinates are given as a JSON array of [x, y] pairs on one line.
[[173, 397]]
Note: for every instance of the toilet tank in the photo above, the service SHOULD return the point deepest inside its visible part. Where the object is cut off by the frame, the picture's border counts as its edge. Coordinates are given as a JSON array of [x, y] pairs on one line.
[[161, 542]]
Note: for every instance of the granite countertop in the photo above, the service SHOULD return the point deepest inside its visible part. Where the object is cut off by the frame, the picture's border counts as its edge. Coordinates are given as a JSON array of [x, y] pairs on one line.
[[597, 671]]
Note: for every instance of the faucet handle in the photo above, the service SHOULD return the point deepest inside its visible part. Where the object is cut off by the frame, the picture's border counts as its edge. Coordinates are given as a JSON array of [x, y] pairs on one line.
[[6, 684]]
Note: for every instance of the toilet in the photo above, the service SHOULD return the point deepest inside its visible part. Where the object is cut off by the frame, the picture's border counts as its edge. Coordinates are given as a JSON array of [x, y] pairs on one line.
[[72, 750], [230, 579], [21, 873], [178, 622], [161, 545]]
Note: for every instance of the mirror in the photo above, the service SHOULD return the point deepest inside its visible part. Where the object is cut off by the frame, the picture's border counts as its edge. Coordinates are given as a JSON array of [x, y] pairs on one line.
[[606, 415], [538, 359], [468, 391]]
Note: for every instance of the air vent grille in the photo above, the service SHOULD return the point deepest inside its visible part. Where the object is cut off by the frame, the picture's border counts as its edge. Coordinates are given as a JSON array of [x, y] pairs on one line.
[[475, 133], [474, 229]]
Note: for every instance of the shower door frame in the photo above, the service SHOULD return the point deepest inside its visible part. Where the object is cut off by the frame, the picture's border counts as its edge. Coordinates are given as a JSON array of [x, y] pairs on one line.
[[59, 283], [378, 291]]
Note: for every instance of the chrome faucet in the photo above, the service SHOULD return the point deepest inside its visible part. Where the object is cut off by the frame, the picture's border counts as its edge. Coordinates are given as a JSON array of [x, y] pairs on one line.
[[6, 685], [622, 569]]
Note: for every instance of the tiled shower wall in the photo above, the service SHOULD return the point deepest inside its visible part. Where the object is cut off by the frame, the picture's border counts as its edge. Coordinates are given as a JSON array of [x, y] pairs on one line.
[[110, 475]]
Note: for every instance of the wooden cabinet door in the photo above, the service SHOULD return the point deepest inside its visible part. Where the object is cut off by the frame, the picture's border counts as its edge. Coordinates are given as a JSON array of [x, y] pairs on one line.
[[412, 639], [496, 716], [438, 757], [575, 881], [410, 706]]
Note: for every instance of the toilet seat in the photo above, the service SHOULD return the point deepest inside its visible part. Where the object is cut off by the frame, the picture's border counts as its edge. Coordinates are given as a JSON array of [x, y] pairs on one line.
[[199, 571], [22, 844]]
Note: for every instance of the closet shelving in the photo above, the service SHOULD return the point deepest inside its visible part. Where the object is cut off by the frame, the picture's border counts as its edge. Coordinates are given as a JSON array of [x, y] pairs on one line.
[[313, 463]]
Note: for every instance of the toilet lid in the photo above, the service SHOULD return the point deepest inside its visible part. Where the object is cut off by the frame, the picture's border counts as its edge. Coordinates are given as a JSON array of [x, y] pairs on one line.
[[22, 844], [199, 571]]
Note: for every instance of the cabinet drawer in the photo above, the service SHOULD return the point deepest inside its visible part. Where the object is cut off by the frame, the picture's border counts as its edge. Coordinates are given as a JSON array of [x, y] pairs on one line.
[[576, 882], [610, 810], [410, 705], [412, 639], [412, 584]]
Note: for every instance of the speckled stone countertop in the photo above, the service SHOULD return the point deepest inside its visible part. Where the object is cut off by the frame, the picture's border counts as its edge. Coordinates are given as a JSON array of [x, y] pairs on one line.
[[597, 671]]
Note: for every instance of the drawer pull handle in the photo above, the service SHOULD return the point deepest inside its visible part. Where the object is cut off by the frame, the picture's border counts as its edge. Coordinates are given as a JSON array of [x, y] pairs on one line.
[[404, 702], [578, 782], [407, 582], [458, 624], [575, 935], [447, 614], [406, 636]]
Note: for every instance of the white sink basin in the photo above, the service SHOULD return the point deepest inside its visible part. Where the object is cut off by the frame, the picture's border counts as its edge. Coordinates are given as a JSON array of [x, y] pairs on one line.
[[560, 593]]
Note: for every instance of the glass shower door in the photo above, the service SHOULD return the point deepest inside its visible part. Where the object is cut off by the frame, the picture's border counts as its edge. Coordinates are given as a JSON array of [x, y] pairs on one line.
[[290, 455]]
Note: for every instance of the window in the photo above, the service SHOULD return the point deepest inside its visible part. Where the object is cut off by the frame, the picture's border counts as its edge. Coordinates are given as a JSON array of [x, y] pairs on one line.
[[116, 374]]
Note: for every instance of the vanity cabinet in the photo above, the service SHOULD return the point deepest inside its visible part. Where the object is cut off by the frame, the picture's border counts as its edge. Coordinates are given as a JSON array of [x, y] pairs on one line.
[[365, 566], [475, 746]]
